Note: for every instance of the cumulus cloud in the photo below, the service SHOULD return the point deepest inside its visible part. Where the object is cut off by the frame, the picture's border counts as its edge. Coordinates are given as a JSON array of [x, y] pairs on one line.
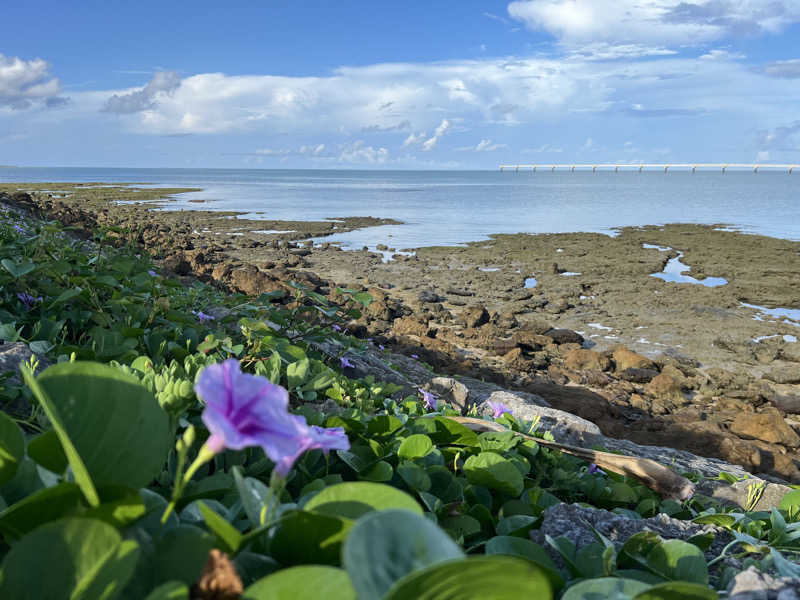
[[23, 82], [414, 138], [359, 152], [431, 142], [162, 83], [669, 22], [784, 69]]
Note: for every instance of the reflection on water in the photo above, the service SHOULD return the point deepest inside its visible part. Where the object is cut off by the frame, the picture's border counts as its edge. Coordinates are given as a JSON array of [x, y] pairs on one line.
[[674, 269]]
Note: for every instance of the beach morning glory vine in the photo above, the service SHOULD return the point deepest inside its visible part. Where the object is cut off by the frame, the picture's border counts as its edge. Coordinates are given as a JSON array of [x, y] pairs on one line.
[[244, 410], [498, 409]]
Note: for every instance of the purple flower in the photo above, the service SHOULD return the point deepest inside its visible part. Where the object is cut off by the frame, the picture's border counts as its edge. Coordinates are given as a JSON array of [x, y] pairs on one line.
[[201, 316], [595, 470], [429, 398], [336, 328], [415, 356], [152, 273], [247, 410], [18, 229], [381, 347], [498, 409], [345, 363], [28, 300], [327, 439]]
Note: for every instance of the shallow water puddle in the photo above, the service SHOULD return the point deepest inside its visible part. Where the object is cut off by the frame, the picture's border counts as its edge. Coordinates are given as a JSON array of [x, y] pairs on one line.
[[674, 269], [530, 282], [271, 231], [792, 314], [488, 269], [786, 338], [599, 326], [569, 274]]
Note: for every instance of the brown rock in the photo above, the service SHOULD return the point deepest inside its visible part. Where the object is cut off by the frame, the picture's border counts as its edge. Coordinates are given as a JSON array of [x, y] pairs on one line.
[[784, 374], [664, 386], [580, 359], [635, 375], [564, 336], [768, 426], [177, 264], [410, 326], [505, 320], [249, 280], [474, 316], [531, 341], [625, 359]]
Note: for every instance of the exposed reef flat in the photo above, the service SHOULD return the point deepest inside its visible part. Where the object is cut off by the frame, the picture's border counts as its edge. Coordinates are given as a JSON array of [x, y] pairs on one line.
[[656, 362]]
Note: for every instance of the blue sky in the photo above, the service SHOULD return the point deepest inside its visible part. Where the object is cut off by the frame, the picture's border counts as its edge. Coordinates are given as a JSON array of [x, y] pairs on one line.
[[443, 84]]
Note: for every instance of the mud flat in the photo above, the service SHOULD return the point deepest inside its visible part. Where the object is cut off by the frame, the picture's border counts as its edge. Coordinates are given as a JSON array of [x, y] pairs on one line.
[[580, 319]]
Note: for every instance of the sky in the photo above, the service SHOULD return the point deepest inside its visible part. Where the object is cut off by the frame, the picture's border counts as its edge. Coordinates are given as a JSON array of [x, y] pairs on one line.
[[448, 84]]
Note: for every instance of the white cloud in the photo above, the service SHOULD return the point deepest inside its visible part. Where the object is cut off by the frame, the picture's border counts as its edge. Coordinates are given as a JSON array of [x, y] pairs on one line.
[[413, 139], [785, 69], [24, 81], [654, 21], [483, 146], [431, 142], [718, 54], [359, 152], [784, 137], [162, 83], [311, 150], [588, 144]]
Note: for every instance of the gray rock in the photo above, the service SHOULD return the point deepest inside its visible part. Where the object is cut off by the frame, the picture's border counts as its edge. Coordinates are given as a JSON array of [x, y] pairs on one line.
[[453, 392], [752, 584], [430, 296], [784, 374], [11, 356], [575, 522]]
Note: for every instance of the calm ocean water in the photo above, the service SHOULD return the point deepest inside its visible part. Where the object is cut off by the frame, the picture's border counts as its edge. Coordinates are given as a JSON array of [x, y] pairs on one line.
[[452, 207]]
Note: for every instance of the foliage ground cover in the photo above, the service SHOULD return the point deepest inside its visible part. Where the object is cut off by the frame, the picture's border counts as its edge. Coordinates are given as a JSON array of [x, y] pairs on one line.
[[111, 474]]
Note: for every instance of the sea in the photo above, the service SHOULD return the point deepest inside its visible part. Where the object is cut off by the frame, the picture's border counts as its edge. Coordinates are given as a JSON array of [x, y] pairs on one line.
[[455, 207]]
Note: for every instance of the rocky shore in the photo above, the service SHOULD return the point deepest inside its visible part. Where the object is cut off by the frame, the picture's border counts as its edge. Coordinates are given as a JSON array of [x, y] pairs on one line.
[[680, 365]]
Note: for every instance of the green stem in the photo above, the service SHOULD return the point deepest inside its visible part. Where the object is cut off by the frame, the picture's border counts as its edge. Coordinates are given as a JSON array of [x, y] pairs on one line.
[[205, 455]]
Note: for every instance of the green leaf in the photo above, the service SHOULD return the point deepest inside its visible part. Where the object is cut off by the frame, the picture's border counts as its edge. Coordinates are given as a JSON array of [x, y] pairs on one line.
[[475, 578], [678, 590], [414, 476], [297, 373], [415, 446], [495, 472], [393, 543], [381, 471], [66, 296], [354, 499], [516, 525], [255, 496], [611, 588], [228, 537], [17, 270], [363, 298], [108, 415], [182, 553], [522, 548], [791, 502], [46, 450], [172, 590], [303, 537], [79, 469], [12, 448], [85, 558], [42, 506], [721, 520], [678, 560], [303, 582]]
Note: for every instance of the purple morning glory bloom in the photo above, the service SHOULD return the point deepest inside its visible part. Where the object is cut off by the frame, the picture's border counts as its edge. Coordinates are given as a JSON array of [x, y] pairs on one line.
[[498, 409], [415, 356], [18, 229], [246, 410], [429, 398], [152, 273], [595, 470], [336, 328], [28, 300], [201, 316], [345, 363], [381, 347]]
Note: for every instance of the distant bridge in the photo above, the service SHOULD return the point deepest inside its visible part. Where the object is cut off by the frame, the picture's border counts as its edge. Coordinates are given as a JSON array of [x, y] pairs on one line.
[[641, 167]]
